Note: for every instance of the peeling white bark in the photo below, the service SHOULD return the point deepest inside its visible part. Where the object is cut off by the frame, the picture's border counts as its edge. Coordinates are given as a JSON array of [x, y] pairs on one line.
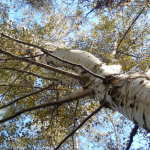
[[83, 58], [130, 95], [75, 56], [109, 69], [126, 93], [132, 98]]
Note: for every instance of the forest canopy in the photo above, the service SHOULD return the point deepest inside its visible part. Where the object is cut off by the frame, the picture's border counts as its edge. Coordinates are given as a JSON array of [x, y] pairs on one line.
[[41, 104]]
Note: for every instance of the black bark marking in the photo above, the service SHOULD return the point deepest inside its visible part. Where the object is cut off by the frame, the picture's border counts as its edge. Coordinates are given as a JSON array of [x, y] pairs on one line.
[[134, 97], [135, 122], [114, 100], [141, 82], [136, 107], [145, 123], [109, 92], [132, 105], [122, 104]]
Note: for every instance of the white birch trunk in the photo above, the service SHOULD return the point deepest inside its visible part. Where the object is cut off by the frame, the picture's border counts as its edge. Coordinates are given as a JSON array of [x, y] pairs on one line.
[[130, 95], [127, 93]]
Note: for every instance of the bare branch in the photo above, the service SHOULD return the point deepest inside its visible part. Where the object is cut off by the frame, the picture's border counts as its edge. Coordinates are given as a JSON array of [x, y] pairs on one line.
[[26, 43], [25, 96], [73, 75], [19, 86], [79, 126], [30, 73], [4, 60], [7, 59], [74, 96], [16, 78], [129, 28], [132, 134]]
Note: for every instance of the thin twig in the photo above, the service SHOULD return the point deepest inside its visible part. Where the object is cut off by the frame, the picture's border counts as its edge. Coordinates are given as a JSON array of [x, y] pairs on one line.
[[25, 96], [19, 86], [129, 28], [74, 126], [7, 59], [132, 134], [75, 96], [73, 75], [9, 88], [79, 126], [30, 73], [25, 43]]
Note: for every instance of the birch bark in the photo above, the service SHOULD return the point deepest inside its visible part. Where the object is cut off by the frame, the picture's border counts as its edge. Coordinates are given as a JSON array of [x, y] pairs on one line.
[[127, 93]]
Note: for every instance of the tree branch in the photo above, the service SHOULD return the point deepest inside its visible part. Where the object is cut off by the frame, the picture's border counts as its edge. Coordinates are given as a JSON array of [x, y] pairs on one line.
[[30, 73], [19, 86], [26, 43], [74, 96], [73, 75], [129, 28], [25, 96], [79, 126], [16, 78], [7, 59], [132, 134]]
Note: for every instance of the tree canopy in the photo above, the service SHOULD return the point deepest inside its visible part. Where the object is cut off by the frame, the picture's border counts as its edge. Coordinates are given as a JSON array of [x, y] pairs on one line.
[[41, 104]]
